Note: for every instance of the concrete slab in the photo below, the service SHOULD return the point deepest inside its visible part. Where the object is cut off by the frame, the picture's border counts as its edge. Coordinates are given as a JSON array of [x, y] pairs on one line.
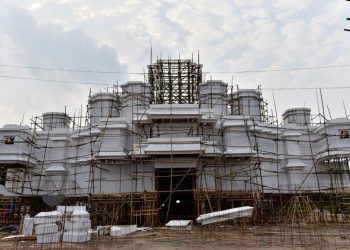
[[80, 225], [46, 229], [122, 230], [180, 225], [49, 238], [28, 226], [47, 217], [73, 236], [225, 215]]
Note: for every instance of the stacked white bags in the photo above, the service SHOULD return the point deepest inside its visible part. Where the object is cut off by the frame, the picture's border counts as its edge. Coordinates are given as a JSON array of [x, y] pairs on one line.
[[48, 227], [71, 221], [77, 226]]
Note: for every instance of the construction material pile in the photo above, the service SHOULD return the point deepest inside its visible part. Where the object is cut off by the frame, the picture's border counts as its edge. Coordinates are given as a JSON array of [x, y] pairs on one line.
[[67, 224], [48, 227]]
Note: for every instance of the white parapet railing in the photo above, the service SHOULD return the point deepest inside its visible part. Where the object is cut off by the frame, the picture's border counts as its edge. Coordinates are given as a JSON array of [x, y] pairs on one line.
[[225, 215]]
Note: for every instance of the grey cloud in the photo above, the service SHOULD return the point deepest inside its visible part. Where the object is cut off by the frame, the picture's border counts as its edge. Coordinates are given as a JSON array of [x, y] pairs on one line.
[[231, 36], [51, 46], [33, 44]]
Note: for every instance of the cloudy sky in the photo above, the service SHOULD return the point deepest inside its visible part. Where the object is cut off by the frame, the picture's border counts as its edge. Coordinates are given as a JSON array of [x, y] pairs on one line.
[[238, 37]]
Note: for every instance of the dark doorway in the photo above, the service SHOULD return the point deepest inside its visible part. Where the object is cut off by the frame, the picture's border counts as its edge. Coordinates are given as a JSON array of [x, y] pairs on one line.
[[175, 187]]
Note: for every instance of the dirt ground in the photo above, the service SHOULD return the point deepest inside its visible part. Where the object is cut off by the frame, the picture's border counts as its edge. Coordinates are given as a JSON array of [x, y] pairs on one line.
[[221, 237]]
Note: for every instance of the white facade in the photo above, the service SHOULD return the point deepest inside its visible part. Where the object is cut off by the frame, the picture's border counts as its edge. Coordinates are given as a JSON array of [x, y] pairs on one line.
[[223, 142]]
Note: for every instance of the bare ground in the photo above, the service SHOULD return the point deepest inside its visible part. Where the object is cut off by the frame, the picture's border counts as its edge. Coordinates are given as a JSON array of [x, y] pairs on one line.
[[270, 237]]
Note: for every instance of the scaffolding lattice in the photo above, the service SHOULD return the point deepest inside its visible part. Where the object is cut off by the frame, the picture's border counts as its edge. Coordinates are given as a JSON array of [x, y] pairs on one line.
[[174, 81]]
